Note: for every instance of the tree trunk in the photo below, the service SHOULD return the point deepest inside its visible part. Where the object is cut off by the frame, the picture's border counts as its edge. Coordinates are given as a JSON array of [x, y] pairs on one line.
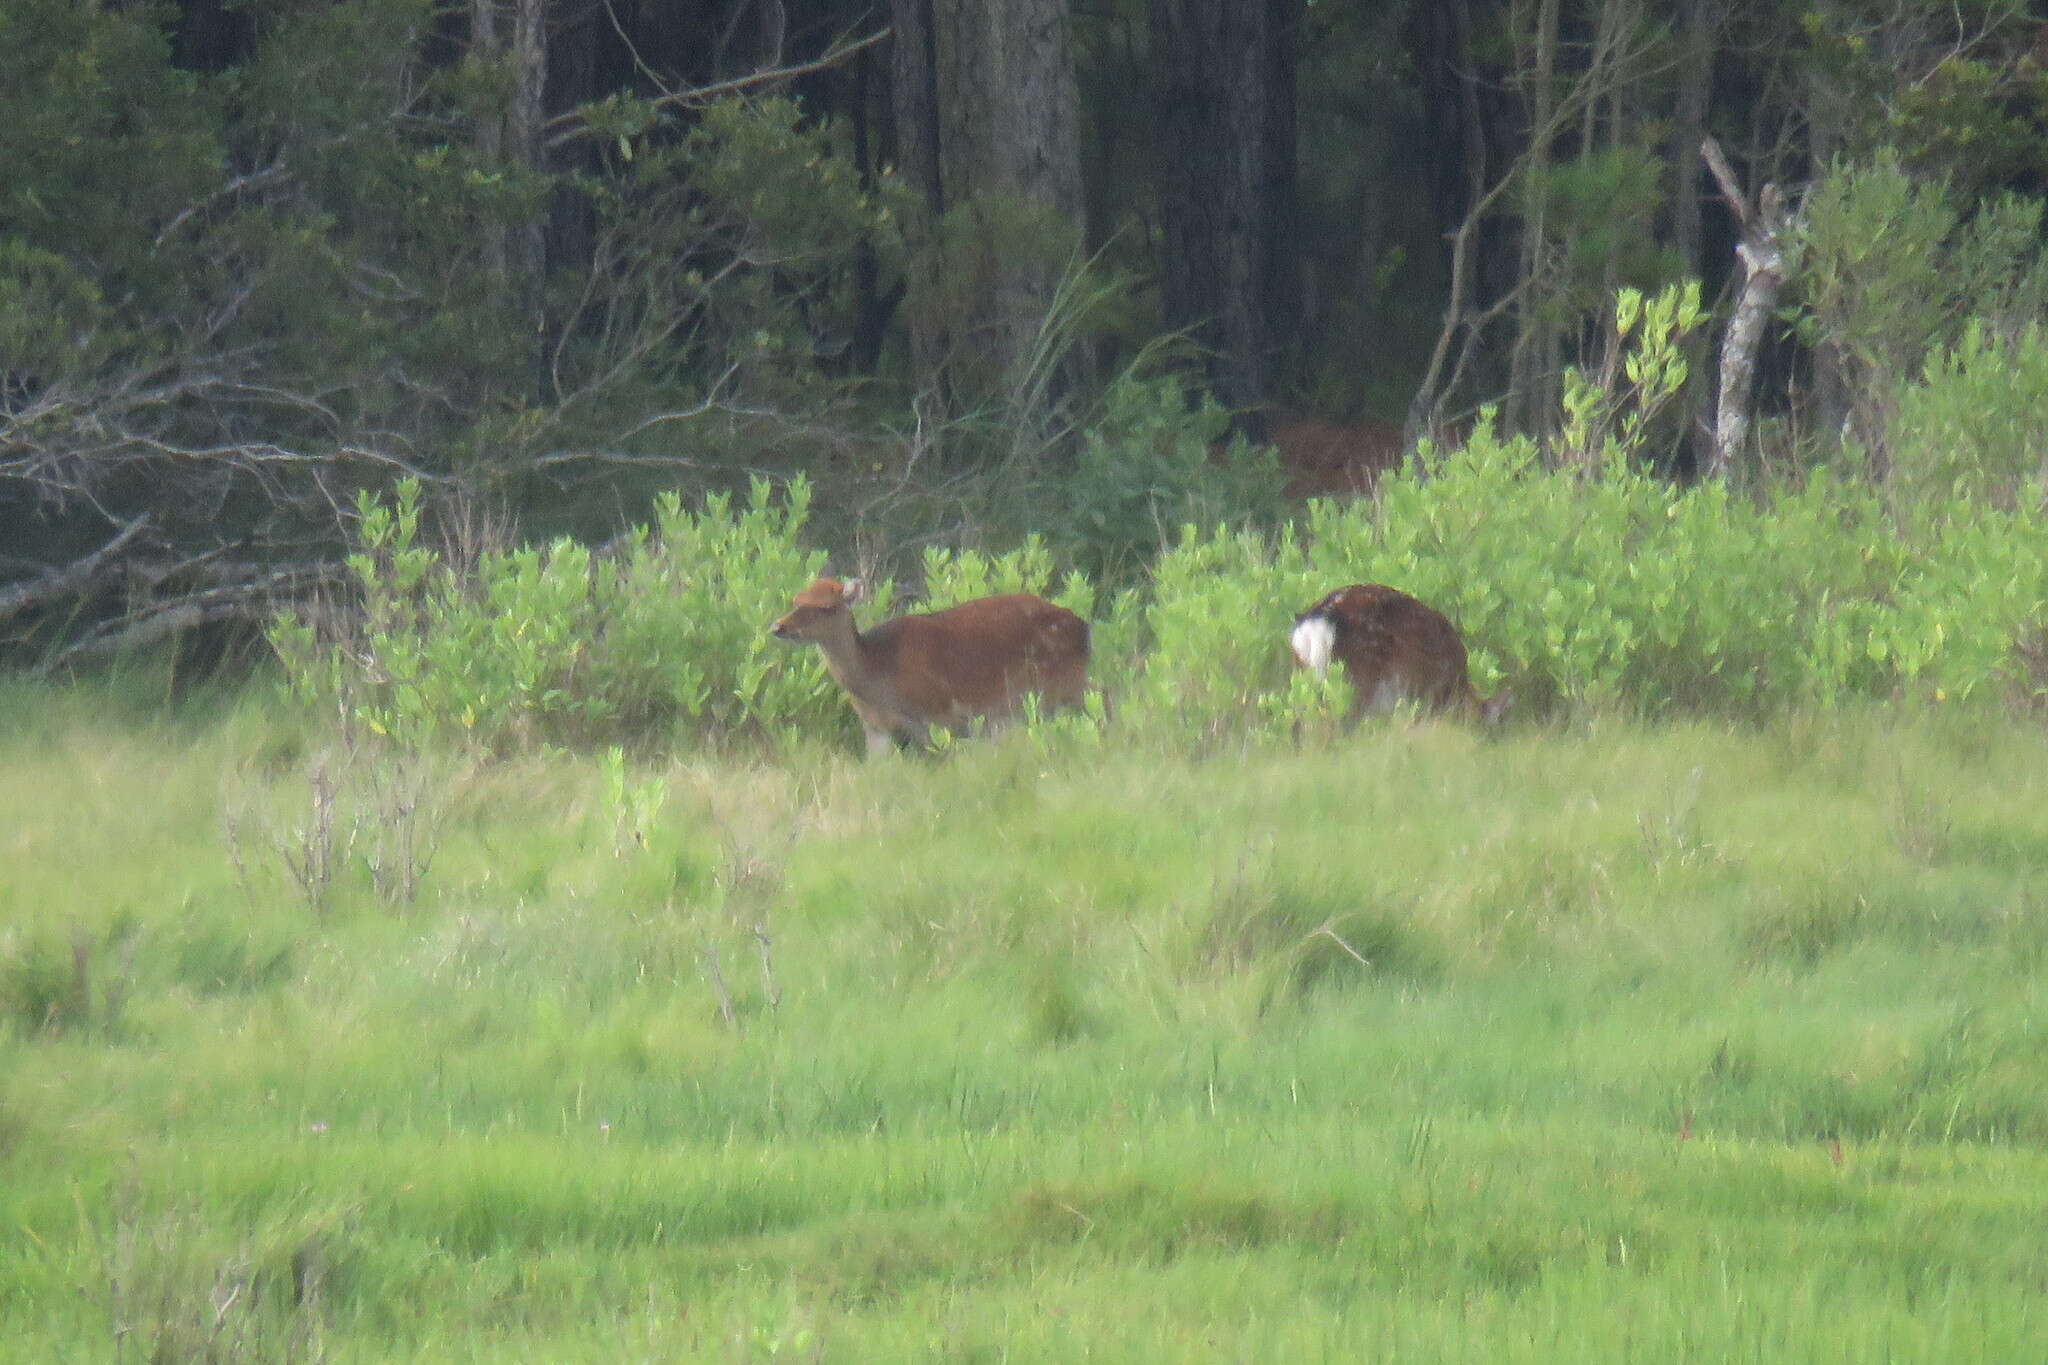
[[485, 44], [1763, 275], [1534, 360], [915, 81], [1695, 76], [1425, 408], [516, 252], [1279, 200], [987, 111], [523, 130], [874, 307], [1224, 87]]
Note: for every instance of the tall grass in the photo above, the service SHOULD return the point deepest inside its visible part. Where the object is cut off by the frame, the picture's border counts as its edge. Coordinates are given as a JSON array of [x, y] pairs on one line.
[[1603, 1041]]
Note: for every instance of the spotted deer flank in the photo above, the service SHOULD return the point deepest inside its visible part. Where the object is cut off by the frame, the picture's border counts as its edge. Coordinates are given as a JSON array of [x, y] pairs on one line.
[[1394, 649]]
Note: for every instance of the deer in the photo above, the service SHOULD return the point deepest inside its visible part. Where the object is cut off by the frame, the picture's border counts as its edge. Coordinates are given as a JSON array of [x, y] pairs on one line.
[[967, 665], [1394, 649]]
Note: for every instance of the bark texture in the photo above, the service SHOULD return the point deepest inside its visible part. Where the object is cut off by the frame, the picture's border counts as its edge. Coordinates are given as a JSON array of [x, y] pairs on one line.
[[1225, 94], [987, 125], [1762, 262]]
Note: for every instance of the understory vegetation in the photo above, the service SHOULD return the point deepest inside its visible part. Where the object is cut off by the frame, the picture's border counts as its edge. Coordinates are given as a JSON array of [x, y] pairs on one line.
[[1606, 587], [1602, 1039]]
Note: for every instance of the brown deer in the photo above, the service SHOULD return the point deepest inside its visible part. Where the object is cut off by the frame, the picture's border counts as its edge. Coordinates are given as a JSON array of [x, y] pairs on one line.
[[952, 668], [1394, 649]]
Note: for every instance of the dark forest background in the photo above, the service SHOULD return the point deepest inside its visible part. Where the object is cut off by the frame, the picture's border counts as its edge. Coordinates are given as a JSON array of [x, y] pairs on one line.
[[550, 257]]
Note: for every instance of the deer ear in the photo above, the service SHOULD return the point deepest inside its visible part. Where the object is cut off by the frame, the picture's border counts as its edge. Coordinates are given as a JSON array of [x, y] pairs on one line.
[[853, 590]]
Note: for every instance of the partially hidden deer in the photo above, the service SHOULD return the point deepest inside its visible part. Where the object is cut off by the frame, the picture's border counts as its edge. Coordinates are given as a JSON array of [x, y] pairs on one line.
[[1393, 649], [967, 665]]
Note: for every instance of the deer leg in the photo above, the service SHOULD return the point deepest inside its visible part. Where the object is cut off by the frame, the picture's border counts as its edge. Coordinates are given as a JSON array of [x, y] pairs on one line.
[[1386, 697]]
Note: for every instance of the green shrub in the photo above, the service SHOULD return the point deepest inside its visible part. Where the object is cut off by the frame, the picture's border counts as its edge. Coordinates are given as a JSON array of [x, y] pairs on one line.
[[955, 576], [1216, 623], [499, 653], [1152, 464], [689, 637], [557, 645], [1608, 588], [1894, 270], [1977, 422]]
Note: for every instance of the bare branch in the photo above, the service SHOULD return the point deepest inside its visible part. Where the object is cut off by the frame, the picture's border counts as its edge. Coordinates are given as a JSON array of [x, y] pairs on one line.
[[1565, 107], [233, 187], [565, 128], [251, 600], [132, 633], [1731, 192], [72, 578]]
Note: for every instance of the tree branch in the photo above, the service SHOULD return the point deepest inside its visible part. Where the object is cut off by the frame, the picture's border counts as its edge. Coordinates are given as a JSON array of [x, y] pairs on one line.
[[250, 600], [71, 578], [568, 126], [1731, 192]]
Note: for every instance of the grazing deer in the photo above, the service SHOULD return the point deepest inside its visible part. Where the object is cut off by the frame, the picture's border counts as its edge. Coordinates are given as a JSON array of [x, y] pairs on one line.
[[1394, 649], [974, 662]]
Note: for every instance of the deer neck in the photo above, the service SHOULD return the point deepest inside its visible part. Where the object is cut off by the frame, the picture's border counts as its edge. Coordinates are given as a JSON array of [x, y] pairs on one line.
[[848, 656]]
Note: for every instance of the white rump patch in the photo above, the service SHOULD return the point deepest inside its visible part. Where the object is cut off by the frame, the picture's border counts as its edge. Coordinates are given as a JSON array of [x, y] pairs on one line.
[[1313, 639]]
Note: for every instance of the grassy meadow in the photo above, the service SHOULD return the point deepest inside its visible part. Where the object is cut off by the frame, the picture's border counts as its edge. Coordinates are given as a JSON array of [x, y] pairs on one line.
[[1594, 1041]]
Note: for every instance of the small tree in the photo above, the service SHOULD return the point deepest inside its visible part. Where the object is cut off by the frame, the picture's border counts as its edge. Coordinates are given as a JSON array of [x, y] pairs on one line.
[[1890, 268]]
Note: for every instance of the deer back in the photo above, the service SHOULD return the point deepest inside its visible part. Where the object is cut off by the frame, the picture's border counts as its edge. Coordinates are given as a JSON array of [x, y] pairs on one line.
[[981, 658], [1393, 648]]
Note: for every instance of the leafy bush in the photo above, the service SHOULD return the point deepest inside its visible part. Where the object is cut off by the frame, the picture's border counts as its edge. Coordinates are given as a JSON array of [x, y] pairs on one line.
[[499, 653], [1615, 588], [689, 637], [1892, 271], [1217, 619], [558, 645], [1604, 588], [1154, 464], [955, 576], [1610, 416], [1977, 423]]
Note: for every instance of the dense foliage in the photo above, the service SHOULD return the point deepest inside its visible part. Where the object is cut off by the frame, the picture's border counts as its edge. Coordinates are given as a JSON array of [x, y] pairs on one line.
[[1608, 588], [1622, 589], [551, 261]]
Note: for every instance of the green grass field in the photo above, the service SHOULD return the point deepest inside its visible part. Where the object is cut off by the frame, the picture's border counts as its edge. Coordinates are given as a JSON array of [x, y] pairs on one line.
[[1604, 1042]]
